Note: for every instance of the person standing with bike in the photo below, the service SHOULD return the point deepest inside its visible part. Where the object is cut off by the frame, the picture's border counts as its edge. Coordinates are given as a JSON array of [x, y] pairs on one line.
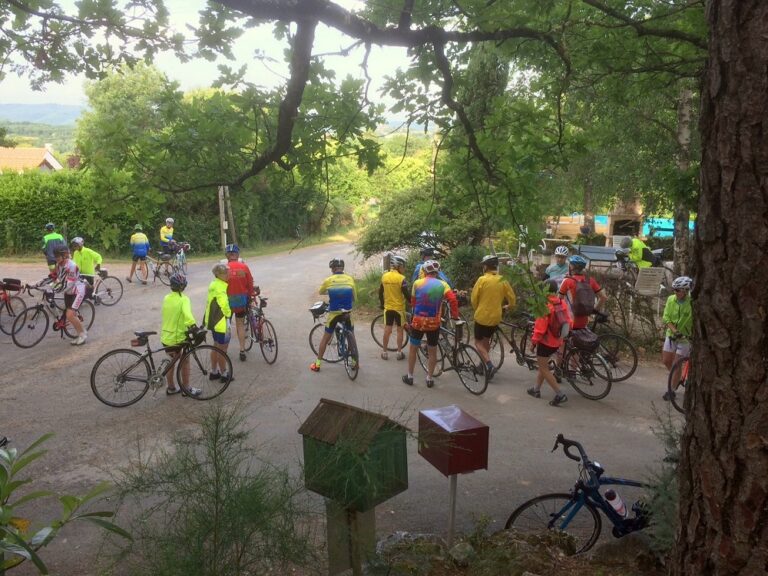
[[342, 295], [678, 320], [427, 297], [240, 291], [140, 247], [177, 322], [68, 276], [581, 291], [51, 241], [393, 296], [166, 235], [488, 296], [639, 253], [87, 260], [427, 255], [217, 314]]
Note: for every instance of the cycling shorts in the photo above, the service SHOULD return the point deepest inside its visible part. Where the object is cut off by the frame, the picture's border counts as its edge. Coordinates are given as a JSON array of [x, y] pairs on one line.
[[432, 337], [394, 317], [239, 312], [482, 331], [238, 301], [333, 319], [680, 347], [544, 351], [137, 258], [221, 337], [73, 301]]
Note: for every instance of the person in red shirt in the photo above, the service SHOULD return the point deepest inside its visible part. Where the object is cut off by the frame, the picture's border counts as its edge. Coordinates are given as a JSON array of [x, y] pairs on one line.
[[240, 290], [546, 341], [576, 266]]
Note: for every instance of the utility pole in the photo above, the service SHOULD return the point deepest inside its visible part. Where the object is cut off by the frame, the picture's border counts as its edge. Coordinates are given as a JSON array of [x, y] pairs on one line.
[[222, 219], [230, 217]]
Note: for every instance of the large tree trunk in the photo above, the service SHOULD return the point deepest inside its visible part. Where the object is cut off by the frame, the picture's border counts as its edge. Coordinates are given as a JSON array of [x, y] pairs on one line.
[[682, 214], [724, 468]]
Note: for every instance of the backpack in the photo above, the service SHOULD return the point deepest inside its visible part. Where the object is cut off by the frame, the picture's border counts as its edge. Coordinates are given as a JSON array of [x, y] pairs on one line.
[[585, 339], [559, 322], [583, 303]]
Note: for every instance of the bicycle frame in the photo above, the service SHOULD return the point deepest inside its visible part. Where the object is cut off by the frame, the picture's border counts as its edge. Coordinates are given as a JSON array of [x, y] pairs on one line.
[[520, 356]]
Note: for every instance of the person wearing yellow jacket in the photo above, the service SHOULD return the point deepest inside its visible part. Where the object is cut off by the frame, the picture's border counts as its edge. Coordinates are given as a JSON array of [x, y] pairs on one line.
[[87, 260], [488, 296], [217, 314]]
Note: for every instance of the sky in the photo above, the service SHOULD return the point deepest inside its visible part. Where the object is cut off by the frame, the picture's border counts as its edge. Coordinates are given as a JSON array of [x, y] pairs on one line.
[[200, 73]]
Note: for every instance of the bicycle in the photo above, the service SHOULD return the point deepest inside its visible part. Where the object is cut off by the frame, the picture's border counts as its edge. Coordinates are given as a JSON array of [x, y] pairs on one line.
[[10, 306], [496, 349], [30, 326], [576, 513], [107, 290], [179, 255], [122, 377], [377, 332], [617, 350], [677, 382], [319, 311], [160, 267], [342, 347], [462, 358], [259, 330]]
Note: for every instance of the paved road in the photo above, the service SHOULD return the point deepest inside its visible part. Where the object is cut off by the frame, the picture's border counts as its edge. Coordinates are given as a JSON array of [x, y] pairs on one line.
[[47, 389]]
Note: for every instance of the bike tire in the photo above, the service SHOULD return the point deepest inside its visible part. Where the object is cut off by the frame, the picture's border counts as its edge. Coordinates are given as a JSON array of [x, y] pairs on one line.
[[541, 513], [86, 313], [164, 272], [114, 375], [581, 370], [422, 355], [331, 351], [110, 291], [528, 357], [677, 393], [30, 327], [9, 310], [182, 263], [377, 332], [450, 324], [141, 276], [201, 361], [471, 369], [496, 349], [352, 357], [620, 354], [268, 342]]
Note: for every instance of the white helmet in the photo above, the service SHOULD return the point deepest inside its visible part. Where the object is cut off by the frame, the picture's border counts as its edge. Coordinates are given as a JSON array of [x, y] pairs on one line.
[[169, 221], [561, 251], [430, 266], [682, 283]]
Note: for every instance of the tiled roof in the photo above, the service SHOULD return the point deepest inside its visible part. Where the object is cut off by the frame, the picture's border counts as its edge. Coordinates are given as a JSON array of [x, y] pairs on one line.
[[20, 159]]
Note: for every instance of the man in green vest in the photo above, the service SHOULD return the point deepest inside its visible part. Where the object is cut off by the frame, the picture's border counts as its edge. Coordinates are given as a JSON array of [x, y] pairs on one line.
[[51, 241]]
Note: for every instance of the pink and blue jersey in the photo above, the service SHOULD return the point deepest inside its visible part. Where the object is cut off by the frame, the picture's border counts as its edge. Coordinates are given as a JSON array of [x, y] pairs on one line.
[[427, 298]]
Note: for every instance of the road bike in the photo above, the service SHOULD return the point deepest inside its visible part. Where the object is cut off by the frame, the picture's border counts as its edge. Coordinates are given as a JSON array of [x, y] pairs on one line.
[[179, 259], [319, 311], [159, 267], [446, 319], [259, 330], [342, 347], [11, 306], [576, 512], [107, 290], [30, 326], [462, 358], [122, 377], [377, 332], [617, 350], [520, 330], [677, 383]]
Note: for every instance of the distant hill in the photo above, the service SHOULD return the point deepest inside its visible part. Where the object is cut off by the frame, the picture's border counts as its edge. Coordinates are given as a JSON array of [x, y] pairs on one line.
[[51, 114]]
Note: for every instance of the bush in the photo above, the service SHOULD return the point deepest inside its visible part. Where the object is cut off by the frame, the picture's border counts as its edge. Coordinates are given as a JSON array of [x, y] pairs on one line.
[[463, 266]]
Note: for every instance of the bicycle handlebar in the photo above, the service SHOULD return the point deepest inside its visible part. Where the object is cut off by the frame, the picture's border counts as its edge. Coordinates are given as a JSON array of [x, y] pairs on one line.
[[567, 444]]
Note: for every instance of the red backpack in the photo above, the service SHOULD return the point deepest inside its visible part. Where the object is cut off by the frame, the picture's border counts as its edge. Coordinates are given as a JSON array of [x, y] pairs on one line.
[[559, 321]]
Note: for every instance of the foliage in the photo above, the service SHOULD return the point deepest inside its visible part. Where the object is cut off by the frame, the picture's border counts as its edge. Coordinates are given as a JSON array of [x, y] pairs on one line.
[[211, 506], [20, 538], [5, 140], [462, 266], [61, 138]]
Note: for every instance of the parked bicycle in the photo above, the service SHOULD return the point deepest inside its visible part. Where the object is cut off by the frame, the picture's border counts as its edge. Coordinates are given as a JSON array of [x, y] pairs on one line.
[[342, 347], [178, 251], [519, 333], [30, 326], [319, 311], [462, 358], [259, 330], [122, 377], [11, 305], [576, 513], [107, 289], [677, 383], [159, 267], [617, 350]]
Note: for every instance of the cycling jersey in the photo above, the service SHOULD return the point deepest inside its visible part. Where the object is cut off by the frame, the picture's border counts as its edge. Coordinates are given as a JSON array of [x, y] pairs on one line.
[[636, 253], [679, 313], [177, 318], [341, 290], [393, 291], [51, 241], [427, 298], [68, 275], [488, 297], [557, 271], [217, 308], [166, 235], [86, 259], [239, 285], [140, 244], [568, 288], [419, 273]]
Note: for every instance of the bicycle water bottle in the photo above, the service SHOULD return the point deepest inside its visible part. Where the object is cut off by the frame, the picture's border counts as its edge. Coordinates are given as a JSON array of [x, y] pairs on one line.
[[616, 502]]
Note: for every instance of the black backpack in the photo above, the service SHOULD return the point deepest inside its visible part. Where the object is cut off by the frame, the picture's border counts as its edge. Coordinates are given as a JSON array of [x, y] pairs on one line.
[[583, 302]]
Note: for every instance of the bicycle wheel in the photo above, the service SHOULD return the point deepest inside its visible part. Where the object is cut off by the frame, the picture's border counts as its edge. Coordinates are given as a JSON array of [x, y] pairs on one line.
[[496, 349], [377, 332], [422, 353], [556, 512], [181, 261], [351, 358], [471, 369], [331, 351], [9, 311], [676, 393], [450, 324], [620, 354], [85, 313], [110, 291], [120, 378], [200, 361], [581, 371], [164, 272], [30, 327], [528, 357], [251, 331], [268, 342], [141, 274]]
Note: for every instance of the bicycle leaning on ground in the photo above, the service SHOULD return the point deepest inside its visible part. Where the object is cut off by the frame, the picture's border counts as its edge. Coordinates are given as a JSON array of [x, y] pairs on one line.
[[30, 326], [122, 377], [11, 306], [462, 358], [576, 512], [259, 330]]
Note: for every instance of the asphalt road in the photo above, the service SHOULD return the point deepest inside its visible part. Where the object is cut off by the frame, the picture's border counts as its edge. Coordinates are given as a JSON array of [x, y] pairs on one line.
[[46, 389]]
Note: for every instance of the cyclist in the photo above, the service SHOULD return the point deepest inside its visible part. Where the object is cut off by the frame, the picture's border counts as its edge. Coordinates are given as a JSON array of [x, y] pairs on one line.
[[558, 269], [87, 260], [427, 297], [68, 276], [140, 247], [569, 287], [239, 290], [166, 235], [678, 319], [342, 294], [393, 296], [428, 254], [638, 251], [178, 321], [51, 241], [488, 296], [546, 341], [217, 314]]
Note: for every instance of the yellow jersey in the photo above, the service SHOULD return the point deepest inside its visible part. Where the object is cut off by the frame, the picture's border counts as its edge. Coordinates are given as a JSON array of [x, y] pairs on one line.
[[488, 297]]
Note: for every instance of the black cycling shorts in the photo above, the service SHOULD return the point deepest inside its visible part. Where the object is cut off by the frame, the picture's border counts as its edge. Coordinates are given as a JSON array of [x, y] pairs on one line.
[[545, 351], [393, 318], [432, 336], [137, 258], [482, 331]]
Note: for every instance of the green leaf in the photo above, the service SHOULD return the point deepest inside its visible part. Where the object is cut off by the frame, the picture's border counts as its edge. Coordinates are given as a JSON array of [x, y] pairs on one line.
[[36, 443], [25, 460], [70, 503], [33, 496], [43, 537], [96, 491], [38, 562], [109, 526]]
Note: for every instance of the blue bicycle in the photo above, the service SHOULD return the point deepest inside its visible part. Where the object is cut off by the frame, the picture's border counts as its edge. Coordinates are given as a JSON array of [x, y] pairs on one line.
[[576, 513]]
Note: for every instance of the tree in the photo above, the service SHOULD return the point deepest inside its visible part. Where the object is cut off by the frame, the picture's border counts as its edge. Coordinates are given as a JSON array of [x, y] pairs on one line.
[[4, 140]]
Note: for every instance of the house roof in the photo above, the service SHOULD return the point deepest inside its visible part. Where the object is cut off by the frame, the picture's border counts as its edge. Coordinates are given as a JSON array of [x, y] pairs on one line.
[[20, 159]]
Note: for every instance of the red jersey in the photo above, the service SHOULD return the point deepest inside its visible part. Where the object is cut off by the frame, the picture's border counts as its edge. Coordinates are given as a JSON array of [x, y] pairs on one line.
[[240, 280], [568, 288]]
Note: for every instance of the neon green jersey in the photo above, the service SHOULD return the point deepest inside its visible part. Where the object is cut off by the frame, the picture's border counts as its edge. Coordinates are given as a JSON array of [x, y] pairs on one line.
[[86, 259], [177, 318]]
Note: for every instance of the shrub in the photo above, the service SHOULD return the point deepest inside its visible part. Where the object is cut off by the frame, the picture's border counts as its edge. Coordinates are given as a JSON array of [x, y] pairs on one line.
[[463, 266]]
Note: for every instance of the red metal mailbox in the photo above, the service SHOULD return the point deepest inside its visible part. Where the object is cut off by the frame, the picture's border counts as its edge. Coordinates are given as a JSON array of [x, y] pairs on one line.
[[453, 441]]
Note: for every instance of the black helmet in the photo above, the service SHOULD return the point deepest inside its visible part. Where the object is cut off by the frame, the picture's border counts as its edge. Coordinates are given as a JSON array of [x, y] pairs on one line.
[[490, 260], [178, 281], [336, 263], [50, 226], [427, 252]]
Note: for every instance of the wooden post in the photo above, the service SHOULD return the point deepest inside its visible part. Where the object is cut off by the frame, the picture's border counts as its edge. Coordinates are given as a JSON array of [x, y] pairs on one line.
[[452, 510], [230, 217], [222, 219]]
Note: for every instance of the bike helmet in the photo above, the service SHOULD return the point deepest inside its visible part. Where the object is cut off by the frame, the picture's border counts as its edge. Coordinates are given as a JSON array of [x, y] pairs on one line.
[[178, 281], [427, 252], [138, 228], [430, 266], [232, 249], [396, 261], [169, 221], [61, 251], [50, 226], [578, 262], [682, 283], [490, 260], [561, 251], [626, 242], [336, 263], [77, 241]]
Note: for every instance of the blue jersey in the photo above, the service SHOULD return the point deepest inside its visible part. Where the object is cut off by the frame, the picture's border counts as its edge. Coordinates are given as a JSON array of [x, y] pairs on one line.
[[417, 273], [341, 291], [140, 244]]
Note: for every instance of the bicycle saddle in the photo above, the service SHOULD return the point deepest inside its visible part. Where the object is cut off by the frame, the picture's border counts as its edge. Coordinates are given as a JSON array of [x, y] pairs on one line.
[[144, 334]]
